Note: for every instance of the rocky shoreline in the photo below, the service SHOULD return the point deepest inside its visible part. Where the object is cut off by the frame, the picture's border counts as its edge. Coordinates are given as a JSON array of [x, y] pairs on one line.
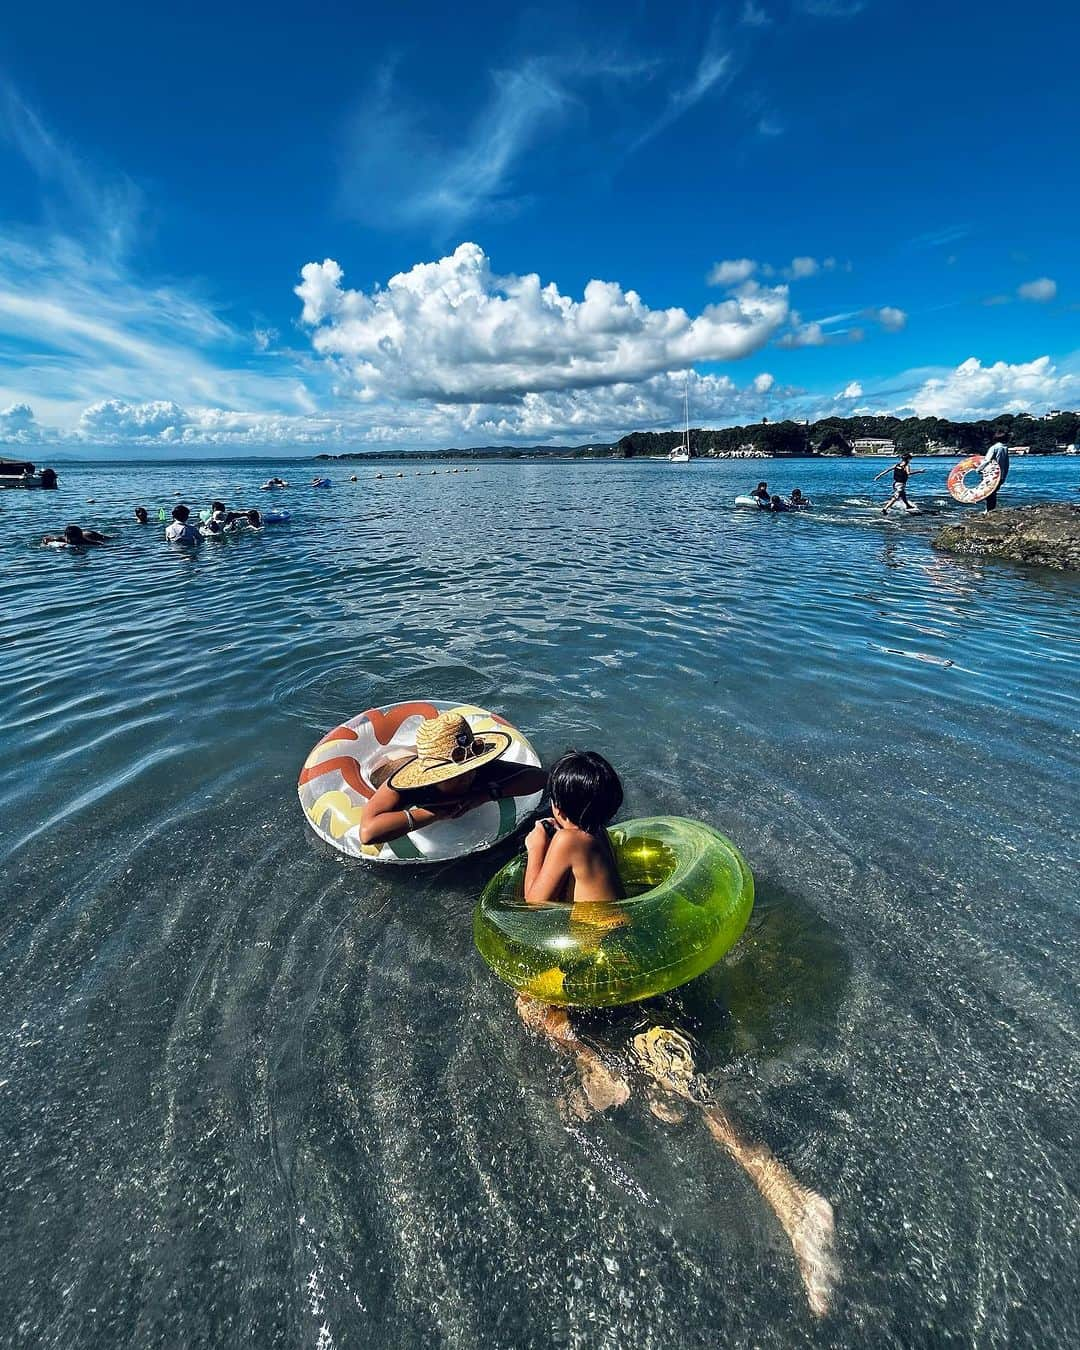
[[1041, 536]]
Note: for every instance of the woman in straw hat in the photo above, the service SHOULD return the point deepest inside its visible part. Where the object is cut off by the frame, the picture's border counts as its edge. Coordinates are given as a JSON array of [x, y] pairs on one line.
[[453, 771]]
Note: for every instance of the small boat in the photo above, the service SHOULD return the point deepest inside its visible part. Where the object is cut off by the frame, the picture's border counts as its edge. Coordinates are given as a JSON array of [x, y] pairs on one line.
[[680, 454], [20, 473]]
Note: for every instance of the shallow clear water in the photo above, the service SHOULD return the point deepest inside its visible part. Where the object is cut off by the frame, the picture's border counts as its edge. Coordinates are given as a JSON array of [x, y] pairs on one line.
[[254, 1094]]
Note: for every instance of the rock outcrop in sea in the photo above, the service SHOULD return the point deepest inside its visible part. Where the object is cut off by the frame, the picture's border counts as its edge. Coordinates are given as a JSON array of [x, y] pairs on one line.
[[1044, 536]]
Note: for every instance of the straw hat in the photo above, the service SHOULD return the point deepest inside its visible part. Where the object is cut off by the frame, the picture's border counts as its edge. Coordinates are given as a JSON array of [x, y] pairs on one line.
[[447, 747]]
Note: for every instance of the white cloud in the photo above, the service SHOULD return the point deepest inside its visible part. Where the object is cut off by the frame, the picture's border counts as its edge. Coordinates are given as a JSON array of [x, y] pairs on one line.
[[803, 267], [974, 390], [454, 331], [802, 334], [1040, 290], [890, 318], [764, 382], [731, 271], [853, 390], [19, 426], [114, 420]]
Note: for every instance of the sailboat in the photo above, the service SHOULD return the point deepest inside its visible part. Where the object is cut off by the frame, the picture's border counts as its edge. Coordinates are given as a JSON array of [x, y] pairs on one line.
[[680, 454]]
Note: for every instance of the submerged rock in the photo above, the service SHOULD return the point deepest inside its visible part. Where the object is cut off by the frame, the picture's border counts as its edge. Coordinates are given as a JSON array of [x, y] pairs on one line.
[[1046, 536]]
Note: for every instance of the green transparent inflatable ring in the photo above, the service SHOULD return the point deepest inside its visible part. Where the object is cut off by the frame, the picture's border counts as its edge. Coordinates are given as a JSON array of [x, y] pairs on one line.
[[689, 896]]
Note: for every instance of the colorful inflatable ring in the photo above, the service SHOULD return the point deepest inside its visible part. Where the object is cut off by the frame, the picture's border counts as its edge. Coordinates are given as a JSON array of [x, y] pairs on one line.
[[690, 896], [989, 480], [335, 782]]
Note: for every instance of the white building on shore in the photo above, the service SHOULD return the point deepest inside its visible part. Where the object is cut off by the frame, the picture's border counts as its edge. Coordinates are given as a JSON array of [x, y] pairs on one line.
[[873, 445]]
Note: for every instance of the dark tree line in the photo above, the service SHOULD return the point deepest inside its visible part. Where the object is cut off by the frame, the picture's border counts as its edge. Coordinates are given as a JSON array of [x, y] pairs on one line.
[[835, 435]]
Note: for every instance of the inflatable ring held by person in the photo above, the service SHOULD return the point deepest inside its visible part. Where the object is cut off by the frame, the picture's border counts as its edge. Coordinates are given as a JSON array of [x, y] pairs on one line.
[[689, 896], [336, 782], [989, 480]]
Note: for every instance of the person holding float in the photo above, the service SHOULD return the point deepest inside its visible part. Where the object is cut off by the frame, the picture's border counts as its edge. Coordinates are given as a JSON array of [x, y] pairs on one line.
[[997, 456]]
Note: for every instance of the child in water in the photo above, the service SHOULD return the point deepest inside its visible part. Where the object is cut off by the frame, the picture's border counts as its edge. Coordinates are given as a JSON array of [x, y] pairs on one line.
[[570, 856]]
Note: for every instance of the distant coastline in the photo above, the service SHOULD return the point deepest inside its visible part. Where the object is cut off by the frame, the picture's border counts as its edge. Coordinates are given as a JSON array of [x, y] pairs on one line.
[[830, 437]]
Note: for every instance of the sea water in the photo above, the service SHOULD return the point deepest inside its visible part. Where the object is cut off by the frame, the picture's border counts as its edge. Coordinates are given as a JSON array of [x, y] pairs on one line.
[[252, 1093]]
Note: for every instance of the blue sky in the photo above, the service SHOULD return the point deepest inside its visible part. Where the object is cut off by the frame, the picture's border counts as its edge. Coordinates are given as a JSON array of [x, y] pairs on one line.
[[270, 226]]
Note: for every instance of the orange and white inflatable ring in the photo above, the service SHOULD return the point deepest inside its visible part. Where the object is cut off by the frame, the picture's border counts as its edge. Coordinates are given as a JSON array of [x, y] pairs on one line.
[[989, 479], [335, 782]]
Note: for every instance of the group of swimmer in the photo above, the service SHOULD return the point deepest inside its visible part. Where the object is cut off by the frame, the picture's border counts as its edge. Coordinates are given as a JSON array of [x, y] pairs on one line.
[[181, 528], [569, 860], [768, 501], [998, 454]]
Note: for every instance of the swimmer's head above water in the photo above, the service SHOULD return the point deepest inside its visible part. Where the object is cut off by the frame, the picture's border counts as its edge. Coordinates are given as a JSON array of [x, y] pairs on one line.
[[585, 790]]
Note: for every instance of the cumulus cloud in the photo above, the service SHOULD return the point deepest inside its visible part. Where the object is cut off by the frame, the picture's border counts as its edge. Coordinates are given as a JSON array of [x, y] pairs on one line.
[[114, 420], [454, 331], [754, 16], [763, 382], [731, 272], [1040, 290], [890, 318], [975, 390], [18, 425], [853, 390]]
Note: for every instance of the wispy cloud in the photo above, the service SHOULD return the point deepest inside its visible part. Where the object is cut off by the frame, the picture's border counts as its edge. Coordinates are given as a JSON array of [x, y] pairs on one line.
[[106, 211], [945, 234], [832, 9], [77, 321], [754, 15], [715, 68], [400, 169]]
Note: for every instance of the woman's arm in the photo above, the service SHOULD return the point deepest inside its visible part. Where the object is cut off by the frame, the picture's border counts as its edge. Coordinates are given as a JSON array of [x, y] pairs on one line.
[[550, 864], [385, 817], [883, 473]]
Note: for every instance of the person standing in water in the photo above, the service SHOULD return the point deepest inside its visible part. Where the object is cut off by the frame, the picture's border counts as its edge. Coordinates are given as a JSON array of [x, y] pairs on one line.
[[997, 454], [901, 472], [180, 530]]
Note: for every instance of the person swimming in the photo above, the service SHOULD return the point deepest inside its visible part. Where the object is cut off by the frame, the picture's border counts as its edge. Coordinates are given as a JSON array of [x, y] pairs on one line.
[[453, 771], [569, 855], [761, 495], [75, 536], [797, 501], [777, 504], [142, 515]]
